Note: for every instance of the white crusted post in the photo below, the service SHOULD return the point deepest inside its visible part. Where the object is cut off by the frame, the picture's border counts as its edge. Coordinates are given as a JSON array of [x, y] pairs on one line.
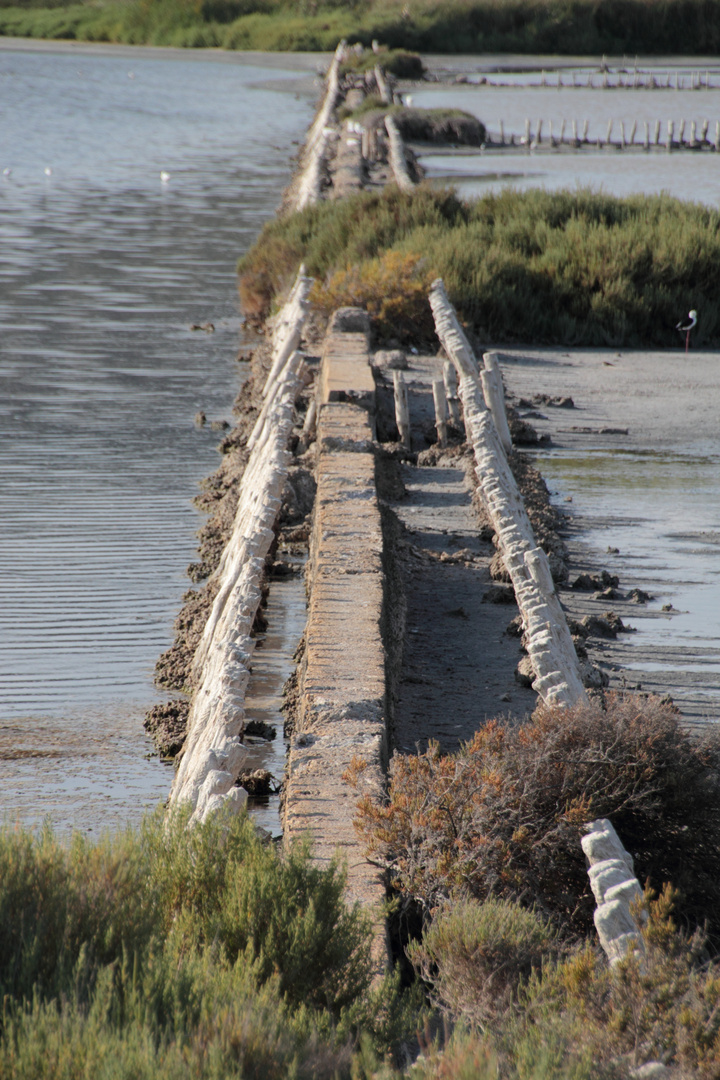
[[615, 888]]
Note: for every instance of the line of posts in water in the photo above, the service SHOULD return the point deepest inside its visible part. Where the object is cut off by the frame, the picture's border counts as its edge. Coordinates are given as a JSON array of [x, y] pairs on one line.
[[575, 136], [635, 80]]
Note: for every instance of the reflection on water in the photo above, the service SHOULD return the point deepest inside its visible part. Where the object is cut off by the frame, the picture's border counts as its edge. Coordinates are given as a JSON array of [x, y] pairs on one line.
[[103, 268]]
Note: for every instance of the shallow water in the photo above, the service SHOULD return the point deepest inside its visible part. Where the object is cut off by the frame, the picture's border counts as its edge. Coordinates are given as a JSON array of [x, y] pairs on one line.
[[103, 268], [686, 175], [643, 505]]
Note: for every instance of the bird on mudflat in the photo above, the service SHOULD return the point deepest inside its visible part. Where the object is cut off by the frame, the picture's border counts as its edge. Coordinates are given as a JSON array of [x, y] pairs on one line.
[[686, 327]]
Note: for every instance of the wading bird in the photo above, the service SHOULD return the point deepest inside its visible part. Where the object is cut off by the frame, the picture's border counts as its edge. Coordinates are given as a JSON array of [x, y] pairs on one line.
[[686, 327]]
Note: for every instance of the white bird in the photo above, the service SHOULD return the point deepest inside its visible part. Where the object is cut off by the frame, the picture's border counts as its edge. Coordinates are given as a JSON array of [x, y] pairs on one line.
[[48, 170], [7, 171], [164, 177], [686, 327]]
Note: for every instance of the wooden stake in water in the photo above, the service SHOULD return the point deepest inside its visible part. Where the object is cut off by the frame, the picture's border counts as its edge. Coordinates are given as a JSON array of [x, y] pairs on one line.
[[681, 134], [670, 133], [502, 133], [656, 138], [527, 131], [704, 131], [717, 136], [542, 77], [574, 134], [538, 133], [622, 134], [633, 129], [693, 133], [586, 125], [562, 132], [609, 131], [646, 140]]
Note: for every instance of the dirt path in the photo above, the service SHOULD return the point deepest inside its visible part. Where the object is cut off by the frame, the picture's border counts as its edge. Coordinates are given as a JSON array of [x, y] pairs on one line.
[[458, 661]]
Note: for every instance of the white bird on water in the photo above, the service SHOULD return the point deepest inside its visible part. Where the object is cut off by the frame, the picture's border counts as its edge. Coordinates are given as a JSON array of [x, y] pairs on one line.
[[686, 327], [48, 170], [164, 177]]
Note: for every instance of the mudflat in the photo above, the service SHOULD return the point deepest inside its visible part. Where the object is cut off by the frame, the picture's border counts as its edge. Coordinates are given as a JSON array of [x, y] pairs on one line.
[[633, 461]]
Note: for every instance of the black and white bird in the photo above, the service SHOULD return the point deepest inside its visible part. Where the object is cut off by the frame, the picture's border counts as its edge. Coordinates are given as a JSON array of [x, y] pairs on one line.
[[686, 326]]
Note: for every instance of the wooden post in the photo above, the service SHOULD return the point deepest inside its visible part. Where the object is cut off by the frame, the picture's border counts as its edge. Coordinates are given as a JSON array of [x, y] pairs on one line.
[[646, 140], [502, 133], [562, 132], [657, 133], [383, 86], [398, 161], [671, 129], [609, 131], [527, 131], [542, 77], [494, 395], [693, 133], [574, 134], [451, 392], [538, 133], [633, 129], [622, 134], [441, 411], [704, 131], [402, 411], [586, 125], [717, 135], [681, 134], [550, 133]]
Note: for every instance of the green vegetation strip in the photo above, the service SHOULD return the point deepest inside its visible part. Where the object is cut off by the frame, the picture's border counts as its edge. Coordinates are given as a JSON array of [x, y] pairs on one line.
[[573, 268], [578, 27]]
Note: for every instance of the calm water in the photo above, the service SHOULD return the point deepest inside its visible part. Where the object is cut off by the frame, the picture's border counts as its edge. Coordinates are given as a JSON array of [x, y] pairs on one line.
[[687, 175], [103, 268]]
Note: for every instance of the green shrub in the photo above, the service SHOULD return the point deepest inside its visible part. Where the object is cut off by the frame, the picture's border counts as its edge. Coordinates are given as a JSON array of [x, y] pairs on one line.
[[474, 956], [503, 817], [570, 267]]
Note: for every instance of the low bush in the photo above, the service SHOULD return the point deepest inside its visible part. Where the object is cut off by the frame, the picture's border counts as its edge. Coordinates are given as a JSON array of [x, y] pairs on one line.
[[392, 288], [574, 1017], [181, 953], [503, 817], [475, 955], [440, 126], [565, 267]]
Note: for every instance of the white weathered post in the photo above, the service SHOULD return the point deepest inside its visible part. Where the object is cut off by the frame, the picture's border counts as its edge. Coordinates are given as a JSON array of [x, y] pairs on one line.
[[633, 129], [656, 138], [704, 131], [441, 410], [402, 410], [586, 125], [549, 643], [383, 86], [398, 161], [494, 395], [670, 134], [309, 183], [451, 392], [615, 888], [646, 139], [502, 133], [609, 131]]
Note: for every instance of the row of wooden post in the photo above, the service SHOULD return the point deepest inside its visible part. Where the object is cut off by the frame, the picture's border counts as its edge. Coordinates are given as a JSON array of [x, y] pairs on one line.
[[698, 135], [637, 80]]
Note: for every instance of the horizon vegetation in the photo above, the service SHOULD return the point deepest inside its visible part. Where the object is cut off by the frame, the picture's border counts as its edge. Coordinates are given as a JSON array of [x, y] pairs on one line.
[[562, 27]]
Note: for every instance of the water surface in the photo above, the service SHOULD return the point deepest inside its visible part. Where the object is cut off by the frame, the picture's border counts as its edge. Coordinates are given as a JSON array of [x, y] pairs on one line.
[[104, 266]]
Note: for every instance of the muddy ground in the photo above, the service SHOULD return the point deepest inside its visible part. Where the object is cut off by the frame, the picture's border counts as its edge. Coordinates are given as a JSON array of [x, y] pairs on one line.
[[634, 467]]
